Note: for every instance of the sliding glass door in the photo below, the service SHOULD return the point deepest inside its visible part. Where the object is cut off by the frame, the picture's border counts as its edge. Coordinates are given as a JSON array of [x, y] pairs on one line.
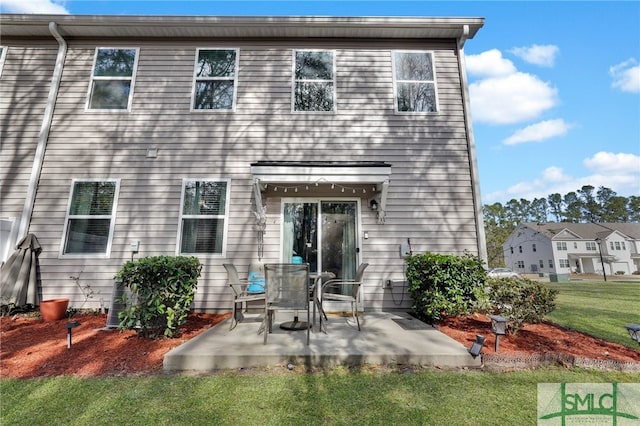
[[322, 233]]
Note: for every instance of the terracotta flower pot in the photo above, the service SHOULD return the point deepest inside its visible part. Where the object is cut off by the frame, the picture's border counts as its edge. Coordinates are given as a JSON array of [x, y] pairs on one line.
[[53, 309]]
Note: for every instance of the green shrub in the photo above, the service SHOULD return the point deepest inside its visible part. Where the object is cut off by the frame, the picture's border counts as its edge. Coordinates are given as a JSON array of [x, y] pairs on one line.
[[162, 289], [520, 300], [444, 285]]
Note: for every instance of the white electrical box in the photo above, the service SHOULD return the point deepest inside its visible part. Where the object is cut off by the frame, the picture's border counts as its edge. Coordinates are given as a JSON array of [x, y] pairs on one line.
[[135, 246], [405, 250]]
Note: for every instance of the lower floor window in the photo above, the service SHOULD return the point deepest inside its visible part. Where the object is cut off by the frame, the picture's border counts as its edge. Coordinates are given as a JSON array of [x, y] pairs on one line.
[[90, 217], [564, 263], [203, 216]]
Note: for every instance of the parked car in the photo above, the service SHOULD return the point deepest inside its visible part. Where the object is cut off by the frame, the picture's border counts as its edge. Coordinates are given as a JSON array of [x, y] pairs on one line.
[[503, 273]]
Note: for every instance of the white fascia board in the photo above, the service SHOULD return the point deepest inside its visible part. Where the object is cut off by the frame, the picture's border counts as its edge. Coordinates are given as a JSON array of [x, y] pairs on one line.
[[310, 174]]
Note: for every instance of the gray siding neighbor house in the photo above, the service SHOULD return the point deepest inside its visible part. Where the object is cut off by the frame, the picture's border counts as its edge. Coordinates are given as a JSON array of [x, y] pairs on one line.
[[242, 140], [581, 248]]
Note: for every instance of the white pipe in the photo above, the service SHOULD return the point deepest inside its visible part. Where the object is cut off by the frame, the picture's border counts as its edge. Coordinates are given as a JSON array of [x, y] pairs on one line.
[[471, 149], [43, 137]]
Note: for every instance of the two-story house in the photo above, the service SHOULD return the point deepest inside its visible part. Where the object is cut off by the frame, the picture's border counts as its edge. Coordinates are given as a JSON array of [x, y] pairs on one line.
[[564, 248], [240, 140]]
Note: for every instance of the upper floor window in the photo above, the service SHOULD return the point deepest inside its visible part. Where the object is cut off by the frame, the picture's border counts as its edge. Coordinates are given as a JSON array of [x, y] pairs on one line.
[[203, 216], [591, 246], [561, 245], [3, 54], [112, 80], [541, 263], [617, 245], [90, 217], [520, 249], [623, 246], [215, 77], [415, 82], [314, 80], [534, 248]]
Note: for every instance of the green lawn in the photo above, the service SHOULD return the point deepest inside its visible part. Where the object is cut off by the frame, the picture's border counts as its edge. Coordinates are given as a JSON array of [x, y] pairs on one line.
[[600, 309], [333, 398]]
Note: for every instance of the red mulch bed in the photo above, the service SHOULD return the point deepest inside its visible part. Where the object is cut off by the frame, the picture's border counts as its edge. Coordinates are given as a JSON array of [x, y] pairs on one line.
[[30, 347], [537, 339]]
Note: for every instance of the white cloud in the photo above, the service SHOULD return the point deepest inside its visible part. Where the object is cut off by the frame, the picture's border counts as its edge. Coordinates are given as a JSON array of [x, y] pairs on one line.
[[542, 55], [489, 64], [45, 7], [625, 182], [626, 76], [511, 99], [603, 162], [539, 132]]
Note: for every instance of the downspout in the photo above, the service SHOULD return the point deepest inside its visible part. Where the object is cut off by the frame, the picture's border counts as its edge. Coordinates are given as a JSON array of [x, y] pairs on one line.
[[27, 210], [471, 148]]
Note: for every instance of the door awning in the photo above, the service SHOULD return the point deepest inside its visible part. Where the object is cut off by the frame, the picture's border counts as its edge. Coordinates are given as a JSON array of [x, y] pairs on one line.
[[323, 172]]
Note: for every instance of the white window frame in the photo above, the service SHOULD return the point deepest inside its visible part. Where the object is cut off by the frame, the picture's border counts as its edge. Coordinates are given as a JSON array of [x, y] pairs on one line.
[[294, 81], [112, 217], [104, 78], [396, 81], [591, 245], [197, 79], [563, 263], [561, 245], [3, 56], [225, 217]]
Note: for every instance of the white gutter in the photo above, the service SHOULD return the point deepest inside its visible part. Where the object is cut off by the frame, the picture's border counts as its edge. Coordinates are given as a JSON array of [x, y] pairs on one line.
[[471, 149], [43, 137]]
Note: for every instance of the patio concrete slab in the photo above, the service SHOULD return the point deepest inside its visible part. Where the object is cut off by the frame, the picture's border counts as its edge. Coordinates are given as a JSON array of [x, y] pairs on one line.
[[386, 338]]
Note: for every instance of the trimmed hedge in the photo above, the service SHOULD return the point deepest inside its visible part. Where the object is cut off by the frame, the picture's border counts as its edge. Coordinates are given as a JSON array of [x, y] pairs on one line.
[[162, 289], [520, 300], [445, 285]]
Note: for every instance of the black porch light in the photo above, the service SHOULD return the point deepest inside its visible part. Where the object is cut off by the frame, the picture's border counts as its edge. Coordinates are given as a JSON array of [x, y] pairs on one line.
[[634, 331], [70, 325], [499, 327], [373, 204], [476, 348]]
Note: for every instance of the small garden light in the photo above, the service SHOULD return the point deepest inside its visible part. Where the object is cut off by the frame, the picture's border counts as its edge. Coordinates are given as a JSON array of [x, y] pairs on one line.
[[499, 327], [476, 348], [70, 325], [634, 332]]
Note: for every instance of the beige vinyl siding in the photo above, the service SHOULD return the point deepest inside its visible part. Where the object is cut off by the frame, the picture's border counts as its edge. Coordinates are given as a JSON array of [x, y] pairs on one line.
[[430, 198], [24, 88]]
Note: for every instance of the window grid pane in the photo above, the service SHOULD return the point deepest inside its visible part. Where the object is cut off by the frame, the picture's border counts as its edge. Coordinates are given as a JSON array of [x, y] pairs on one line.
[[216, 63], [214, 95], [87, 236], [115, 62], [110, 94]]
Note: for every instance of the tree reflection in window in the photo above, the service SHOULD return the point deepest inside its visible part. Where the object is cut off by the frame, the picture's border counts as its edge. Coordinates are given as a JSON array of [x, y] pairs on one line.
[[215, 79], [314, 81], [415, 82], [112, 78]]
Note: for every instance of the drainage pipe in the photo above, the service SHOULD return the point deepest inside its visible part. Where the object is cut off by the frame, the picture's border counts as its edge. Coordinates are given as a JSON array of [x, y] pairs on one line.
[[471, 148], [27, 210]]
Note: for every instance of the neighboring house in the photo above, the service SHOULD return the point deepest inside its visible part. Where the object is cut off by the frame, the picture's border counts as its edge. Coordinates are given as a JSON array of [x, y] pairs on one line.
[[237, 140], [564, 248]]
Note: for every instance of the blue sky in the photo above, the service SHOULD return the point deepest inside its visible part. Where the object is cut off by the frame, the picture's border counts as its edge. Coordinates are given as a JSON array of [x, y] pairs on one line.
[[554, 86]]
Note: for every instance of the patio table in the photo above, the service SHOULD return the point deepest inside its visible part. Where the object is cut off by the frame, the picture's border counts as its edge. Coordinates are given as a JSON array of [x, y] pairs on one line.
[[317, 278]]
